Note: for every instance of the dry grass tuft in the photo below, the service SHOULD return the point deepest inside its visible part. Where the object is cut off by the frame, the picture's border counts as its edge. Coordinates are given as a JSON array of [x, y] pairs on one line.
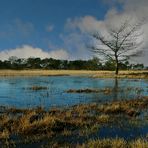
[[80, 120], [95, 74], [139, 143], [115, 143], [36, 88], [4, 134]]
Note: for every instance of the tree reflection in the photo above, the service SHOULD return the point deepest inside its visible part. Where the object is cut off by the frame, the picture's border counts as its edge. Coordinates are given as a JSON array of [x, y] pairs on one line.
[[116, 89]]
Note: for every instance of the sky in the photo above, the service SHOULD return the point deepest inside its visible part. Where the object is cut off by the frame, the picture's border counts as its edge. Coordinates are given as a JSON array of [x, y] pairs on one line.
[[61, 28]]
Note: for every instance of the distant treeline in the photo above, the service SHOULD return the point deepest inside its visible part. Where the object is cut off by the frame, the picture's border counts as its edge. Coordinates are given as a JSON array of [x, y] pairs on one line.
[[50, 63]]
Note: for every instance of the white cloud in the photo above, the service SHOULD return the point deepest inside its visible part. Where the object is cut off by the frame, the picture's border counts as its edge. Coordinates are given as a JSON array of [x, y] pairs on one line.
[[17, 28], [59, 54], [132, 9], [86, 24], [135, 10], [76, 44], [49, 28], [27, 51]]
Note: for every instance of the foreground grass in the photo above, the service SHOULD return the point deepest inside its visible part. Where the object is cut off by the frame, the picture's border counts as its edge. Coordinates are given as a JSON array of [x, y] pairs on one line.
[[133, 74], [95, 74], [115, 143], [51, 127], [46, 72]]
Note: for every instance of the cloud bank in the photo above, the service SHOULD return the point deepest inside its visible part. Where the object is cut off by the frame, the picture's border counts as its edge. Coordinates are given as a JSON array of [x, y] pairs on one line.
[[27, 51], [76, 36], [80, 28]]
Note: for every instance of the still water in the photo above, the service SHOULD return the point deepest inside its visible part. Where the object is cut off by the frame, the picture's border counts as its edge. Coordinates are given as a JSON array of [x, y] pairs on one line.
[[14, 90]]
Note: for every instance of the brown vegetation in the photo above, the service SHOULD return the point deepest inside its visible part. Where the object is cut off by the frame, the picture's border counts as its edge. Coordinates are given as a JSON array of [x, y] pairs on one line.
[[35, 88], [95, 74], [38, 124], [115, 143]]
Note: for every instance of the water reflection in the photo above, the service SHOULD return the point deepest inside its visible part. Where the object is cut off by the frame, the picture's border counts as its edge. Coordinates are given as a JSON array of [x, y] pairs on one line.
[[115, 89], [14, 91]]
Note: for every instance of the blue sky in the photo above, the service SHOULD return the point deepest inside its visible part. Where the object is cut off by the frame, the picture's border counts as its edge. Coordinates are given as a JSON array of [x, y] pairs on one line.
[[59, 28], [39, 14]]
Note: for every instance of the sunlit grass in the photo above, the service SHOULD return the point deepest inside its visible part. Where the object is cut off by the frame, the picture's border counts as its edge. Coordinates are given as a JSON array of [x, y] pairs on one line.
[[115, 143], [95, 74], [34, 125]]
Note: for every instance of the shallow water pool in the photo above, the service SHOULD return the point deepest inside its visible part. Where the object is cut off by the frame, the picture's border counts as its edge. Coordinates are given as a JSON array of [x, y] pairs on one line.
[[14, 91]]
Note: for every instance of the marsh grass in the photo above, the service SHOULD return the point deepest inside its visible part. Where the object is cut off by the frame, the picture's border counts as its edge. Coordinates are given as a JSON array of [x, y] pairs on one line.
[[66, 132], [115, 143], [95, 74], [36, 88], [39, 125], [90, 90], [107, 91], [139, 143], [4, 134], [132, 74], [103, 118]]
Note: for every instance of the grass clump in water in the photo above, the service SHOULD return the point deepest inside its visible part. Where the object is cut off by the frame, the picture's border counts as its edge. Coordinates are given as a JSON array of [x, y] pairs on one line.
[[87, 90], [90, 90], [35, 125], [36, 88]]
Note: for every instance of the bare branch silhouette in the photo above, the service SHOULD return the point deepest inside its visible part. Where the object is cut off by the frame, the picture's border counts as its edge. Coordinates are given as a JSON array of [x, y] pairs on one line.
[[121, 43]]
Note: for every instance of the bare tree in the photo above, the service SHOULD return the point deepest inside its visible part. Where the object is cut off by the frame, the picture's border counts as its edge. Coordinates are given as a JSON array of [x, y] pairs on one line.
[[121, 43]]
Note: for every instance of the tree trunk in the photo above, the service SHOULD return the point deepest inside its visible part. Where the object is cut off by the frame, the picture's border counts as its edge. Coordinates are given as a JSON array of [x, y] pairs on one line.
[[117, 69], [117, 64]]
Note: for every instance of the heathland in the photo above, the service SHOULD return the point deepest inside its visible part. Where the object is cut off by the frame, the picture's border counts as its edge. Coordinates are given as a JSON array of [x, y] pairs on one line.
[[79, 125], [95, 74]]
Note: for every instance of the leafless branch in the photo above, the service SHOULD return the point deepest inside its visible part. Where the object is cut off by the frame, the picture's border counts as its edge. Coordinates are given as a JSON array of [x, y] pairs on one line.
[[121, 43]]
